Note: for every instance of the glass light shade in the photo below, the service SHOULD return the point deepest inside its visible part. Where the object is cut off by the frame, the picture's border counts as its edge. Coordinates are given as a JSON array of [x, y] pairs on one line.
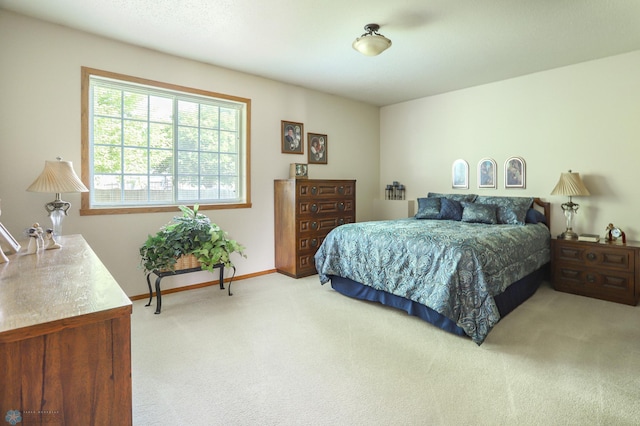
[[371, 45]]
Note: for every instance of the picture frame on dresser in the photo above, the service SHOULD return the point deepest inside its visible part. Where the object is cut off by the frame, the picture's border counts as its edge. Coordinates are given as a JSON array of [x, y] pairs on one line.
[[292, 134], [7, 242]]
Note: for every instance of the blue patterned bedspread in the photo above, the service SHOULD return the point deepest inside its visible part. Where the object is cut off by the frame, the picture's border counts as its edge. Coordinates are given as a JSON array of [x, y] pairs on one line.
[[454, 268]]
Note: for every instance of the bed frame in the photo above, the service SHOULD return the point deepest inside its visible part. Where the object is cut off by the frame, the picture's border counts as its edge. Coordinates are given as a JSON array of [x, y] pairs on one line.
[[516, 294]]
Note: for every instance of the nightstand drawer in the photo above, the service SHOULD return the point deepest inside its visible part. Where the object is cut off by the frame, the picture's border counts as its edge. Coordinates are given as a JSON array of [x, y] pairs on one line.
[[596, 256], [610, 285]]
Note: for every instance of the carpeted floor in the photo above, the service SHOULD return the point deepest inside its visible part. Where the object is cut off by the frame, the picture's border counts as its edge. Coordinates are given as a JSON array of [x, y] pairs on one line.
[[282, 351]]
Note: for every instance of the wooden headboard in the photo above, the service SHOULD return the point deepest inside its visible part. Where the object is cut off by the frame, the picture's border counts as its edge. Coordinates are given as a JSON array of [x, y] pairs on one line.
[[546, 209]]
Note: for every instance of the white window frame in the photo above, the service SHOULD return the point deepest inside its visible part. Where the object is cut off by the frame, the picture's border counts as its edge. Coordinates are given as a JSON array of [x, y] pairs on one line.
[[240, 199]]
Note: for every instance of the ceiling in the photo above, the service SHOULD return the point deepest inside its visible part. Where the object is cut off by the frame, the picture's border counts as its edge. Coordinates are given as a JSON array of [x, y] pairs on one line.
[[438, 45]]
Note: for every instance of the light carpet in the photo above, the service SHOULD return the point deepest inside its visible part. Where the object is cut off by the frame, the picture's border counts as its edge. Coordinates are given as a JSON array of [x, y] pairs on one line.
[[282, 351]]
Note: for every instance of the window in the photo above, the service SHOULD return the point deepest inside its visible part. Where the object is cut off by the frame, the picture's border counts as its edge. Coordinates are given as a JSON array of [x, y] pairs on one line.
[[149, 146]]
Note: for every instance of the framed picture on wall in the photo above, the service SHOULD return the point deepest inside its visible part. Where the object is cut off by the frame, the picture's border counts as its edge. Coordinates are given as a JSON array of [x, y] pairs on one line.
[[317, 149], [460, 174], [487, 173], [515, 173], [292, 134]]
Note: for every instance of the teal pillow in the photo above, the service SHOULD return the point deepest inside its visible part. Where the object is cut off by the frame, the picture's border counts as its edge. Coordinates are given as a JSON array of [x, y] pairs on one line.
[[450, 209], [511, 210], [479, 213], [428, 208], [456, 197]]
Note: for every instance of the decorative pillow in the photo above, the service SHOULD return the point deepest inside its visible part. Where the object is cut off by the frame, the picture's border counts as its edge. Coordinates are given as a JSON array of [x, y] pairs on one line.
[[457, 197], [479, 213], [428, 208], [511, 210], [534, 216], [450, 209]]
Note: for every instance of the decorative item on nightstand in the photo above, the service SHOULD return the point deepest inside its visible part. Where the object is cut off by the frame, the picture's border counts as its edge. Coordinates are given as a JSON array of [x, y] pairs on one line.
[[57, 177], [570, 184], [613, 233]]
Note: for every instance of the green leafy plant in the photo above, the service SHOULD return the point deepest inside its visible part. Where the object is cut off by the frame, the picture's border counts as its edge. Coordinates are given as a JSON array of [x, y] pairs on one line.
[[191, 233]]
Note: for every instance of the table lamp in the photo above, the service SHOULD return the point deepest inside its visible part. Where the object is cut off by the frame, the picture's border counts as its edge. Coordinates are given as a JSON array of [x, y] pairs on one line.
[[570, 184], [57, 177]]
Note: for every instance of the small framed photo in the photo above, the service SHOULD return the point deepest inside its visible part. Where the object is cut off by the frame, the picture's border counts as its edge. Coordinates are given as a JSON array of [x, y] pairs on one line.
[[487, 173], [298, 171], [460, 174], [317, 149], [292, 134], [7, 241], [515, 173]]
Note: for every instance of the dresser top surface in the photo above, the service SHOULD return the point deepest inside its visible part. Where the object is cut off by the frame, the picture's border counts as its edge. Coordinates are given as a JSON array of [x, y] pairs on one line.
[[52, 285]]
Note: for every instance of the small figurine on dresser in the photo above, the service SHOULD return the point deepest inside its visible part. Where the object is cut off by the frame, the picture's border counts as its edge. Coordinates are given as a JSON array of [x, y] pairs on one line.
[[50, 240], [35, 238]]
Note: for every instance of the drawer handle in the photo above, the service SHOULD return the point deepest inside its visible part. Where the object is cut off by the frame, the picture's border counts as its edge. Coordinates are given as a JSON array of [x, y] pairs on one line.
[[314, 225], [314, 208], [591, 256], [314, 242], [341, 221], [341, 206], [341, 190], [314, 190], [591, 278]]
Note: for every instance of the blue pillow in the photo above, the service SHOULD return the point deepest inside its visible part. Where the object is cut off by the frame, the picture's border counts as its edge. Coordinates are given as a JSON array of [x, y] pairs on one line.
[[511, 210], [479, 213], [534, 216], [450, 209], [456, 197], [428, 208]]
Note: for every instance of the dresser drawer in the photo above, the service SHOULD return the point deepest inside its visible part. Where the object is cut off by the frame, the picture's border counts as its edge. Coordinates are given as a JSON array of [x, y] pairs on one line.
[[323, 224], [326, 189], [318, 207]]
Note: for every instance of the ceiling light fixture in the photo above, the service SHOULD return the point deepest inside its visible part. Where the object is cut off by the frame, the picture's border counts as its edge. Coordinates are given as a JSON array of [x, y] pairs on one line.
[[371, 43]]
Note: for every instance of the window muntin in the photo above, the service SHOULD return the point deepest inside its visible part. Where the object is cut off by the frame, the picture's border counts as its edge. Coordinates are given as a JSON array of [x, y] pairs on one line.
[[152, 144]]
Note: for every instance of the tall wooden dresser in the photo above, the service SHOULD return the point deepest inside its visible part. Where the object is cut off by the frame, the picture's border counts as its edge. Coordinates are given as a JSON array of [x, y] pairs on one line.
[[305, 211]]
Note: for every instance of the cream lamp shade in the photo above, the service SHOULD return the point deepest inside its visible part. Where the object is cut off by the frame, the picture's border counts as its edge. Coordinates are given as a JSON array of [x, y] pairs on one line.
[[371, 43], [57, 177], [570, 184]]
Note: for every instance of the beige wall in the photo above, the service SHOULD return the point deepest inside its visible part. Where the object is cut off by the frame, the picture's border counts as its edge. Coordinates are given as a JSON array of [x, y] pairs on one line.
[[40, 119], [584, 117]]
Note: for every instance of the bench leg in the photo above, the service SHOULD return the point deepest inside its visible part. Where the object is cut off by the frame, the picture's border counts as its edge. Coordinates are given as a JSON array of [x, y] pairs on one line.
[[150, 291], [158, 296]]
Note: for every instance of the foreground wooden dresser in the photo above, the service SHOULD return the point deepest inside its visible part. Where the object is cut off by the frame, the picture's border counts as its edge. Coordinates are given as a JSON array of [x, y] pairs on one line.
[[305, 211], [609, 271], [65, 339]]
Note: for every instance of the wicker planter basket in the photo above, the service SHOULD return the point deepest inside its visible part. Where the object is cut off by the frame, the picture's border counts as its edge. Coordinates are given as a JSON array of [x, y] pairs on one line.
[[186, 262]]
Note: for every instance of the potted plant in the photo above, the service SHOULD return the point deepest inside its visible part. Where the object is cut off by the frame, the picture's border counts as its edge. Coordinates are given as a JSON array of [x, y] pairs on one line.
[[189, 234]]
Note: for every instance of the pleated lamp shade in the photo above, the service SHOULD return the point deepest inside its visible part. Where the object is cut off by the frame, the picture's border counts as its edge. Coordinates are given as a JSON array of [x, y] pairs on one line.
[[570, 184], [58, 177]]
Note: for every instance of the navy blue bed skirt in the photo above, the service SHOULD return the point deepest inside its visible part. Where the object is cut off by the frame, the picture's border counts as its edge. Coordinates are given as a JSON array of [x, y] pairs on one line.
[[506, 302]]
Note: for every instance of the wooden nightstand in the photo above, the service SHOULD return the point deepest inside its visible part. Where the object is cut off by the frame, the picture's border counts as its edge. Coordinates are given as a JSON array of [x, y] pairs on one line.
[[609, 271]]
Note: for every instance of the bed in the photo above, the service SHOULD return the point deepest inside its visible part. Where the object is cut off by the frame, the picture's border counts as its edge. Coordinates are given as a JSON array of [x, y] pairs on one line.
[[462, 263]]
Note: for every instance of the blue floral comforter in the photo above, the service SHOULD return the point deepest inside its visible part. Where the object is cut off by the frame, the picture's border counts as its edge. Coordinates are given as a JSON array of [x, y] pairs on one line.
[[454, 268]]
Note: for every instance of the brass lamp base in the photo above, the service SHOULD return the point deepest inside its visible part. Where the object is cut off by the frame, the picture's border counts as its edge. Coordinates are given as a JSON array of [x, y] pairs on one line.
[[568, 235]]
